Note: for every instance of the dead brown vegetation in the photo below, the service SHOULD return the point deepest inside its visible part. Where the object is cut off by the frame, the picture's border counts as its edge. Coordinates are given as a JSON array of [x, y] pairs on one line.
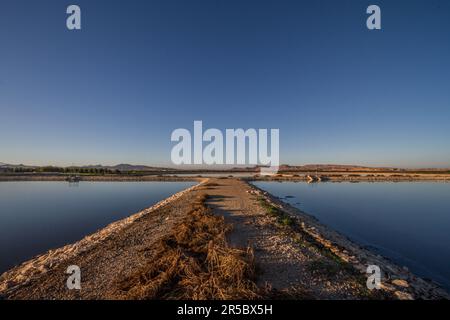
[[195, 262]]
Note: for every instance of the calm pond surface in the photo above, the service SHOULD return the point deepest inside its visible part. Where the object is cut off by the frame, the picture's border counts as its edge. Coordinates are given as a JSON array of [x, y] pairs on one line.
[[38, 216], [408, 222]]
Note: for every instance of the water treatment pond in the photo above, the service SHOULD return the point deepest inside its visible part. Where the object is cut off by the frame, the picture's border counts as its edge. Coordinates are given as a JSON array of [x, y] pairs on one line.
[[408, 222], [38, 216]]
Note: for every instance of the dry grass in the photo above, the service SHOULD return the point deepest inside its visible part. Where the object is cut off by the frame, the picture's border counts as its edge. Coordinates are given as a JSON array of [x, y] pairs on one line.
[[212, 184], [195, 262]]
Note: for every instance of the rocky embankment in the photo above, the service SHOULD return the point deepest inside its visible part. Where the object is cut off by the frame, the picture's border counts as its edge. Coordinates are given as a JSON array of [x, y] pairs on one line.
[[396, 280]]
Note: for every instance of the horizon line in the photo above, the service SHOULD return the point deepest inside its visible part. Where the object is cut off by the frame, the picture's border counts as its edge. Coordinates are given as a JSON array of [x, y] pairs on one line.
[[225, 167]]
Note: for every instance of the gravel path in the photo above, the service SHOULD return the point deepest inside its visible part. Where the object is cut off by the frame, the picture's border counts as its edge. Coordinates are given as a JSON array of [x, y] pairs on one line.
[[283, 263]]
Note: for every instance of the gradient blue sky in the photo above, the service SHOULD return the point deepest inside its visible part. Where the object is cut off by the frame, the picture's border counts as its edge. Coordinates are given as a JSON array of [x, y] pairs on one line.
[[114, 91]]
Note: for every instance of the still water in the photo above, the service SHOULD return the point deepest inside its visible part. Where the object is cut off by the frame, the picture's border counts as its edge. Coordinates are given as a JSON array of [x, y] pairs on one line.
[[408, 222], [38, 216]]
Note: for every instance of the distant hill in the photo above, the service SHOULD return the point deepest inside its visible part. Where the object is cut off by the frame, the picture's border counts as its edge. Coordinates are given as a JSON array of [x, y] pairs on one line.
[[353, 168], [120, 167], [333, 167], [126, 167], [130, 167], [8, 165]]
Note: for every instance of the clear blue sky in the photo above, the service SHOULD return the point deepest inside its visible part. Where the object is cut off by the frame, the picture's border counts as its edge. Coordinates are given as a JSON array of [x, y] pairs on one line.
[[114, 91]]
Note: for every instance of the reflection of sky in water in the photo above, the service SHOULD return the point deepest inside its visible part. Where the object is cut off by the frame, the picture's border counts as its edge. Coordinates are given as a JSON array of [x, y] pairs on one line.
[[408, 222], [37, 216]]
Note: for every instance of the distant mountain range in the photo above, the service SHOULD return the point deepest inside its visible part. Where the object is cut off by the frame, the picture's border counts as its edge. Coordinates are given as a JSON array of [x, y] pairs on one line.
[[283, 168], [121, 167], [332, 167], [2, 164], [128, 167]]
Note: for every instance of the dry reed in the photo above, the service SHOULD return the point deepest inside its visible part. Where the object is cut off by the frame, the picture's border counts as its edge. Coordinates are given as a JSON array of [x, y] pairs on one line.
[[195, 262]]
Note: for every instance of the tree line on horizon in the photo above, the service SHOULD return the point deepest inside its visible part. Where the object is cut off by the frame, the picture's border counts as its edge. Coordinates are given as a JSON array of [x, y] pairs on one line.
[[68, 170]]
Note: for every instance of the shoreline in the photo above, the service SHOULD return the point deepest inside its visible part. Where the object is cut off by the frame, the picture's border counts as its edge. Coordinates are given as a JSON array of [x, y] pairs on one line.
[[397, 281], [304, 177], [149, 178], [24, 273], [323, 178], [359, 256]]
